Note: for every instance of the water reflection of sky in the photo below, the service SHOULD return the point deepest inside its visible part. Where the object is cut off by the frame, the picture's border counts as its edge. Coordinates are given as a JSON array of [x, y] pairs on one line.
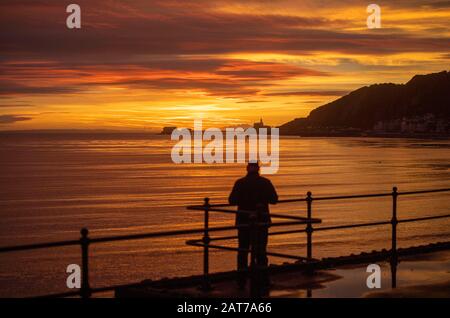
[[434, 269], [122, 184]]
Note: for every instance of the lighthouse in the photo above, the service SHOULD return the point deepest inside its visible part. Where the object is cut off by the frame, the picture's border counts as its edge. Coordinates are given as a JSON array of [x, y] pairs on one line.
[[260, 125]]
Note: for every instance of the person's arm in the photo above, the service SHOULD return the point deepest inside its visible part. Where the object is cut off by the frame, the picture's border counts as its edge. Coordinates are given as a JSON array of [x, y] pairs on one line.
[[272, 193], [234, 195]]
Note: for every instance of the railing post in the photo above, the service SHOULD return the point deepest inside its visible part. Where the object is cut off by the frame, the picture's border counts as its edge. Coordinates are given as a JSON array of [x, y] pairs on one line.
[[206, 240], [309, 228], [394, 222], [85, 291]]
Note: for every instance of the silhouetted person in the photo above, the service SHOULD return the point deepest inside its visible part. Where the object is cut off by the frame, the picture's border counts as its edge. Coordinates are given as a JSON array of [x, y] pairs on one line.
[[252, 193]]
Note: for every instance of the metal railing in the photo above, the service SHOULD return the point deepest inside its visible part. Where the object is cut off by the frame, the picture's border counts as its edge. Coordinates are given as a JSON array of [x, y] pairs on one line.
[[205, 242]]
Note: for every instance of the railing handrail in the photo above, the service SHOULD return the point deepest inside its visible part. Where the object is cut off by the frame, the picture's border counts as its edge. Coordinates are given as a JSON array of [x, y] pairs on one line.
[[212, 208], [85, 241], [104, 239], [325, 198]]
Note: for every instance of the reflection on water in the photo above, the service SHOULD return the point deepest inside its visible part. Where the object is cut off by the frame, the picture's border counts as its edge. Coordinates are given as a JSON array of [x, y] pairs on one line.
[[115, 184], [431, 270]]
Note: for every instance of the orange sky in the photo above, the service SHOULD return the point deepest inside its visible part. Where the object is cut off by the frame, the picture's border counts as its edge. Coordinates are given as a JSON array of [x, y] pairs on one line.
[[145, 64]]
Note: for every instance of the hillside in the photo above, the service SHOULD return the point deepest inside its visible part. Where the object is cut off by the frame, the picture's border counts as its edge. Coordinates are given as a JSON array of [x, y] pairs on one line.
[[373, 106]]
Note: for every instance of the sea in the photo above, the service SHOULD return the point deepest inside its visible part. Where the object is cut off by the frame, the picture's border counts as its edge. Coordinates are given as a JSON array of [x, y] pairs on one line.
[[54, 184]]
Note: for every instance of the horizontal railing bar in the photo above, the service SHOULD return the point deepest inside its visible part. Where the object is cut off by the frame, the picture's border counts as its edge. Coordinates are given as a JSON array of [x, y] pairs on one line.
[[300, 218], [213, 209], [348, 226], [339, 227], [380, 223], [286, 223], [219, 247], [183, 232], [139, 236], [274, 215], [356, 196], [286, 256], [336, 197], [227, 248], [39, 246], [424, 218], [424, 191], [117, 238], [157, 234], [288, 232], [231, 237], [223, 238], [292, 200]]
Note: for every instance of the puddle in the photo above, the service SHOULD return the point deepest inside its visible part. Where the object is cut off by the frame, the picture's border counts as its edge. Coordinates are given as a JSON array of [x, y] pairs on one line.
[[421, 276]]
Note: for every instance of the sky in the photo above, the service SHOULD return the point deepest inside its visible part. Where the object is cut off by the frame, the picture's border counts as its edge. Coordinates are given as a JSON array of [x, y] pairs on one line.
[[145, 64]]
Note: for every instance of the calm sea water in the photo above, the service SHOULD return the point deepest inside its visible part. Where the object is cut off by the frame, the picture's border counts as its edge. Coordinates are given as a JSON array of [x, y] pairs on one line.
[[52, 185]]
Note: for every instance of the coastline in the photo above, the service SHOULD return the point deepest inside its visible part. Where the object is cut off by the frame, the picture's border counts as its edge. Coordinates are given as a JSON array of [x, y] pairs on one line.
[[343, 134], [369, 135]]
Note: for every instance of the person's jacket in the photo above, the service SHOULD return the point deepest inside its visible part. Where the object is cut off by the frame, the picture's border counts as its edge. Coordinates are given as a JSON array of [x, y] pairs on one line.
[[252, 193]]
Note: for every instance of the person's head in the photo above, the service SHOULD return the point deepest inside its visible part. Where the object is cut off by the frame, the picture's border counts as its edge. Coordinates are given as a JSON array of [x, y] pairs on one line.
[[253, 167]]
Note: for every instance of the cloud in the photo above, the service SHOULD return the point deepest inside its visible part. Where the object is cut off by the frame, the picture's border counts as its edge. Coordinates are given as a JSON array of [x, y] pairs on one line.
[[16, 105], [170, 51], [11, 119], [112, 30], [437, 4], [308, 93], [12, 88], [216, 77]]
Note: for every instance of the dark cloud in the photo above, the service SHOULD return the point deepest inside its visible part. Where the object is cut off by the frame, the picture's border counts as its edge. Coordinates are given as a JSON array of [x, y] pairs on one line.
[[438, 4], [114, 30], [230, 77], [16, 105], [225, 78], [12, 88], [309, 93], [251, 101], [214, 87], [10, 119], [264, 70]]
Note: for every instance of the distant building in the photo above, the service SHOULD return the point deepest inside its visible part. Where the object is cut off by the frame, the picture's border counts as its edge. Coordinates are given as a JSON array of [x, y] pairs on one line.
[[168, 130], [388, 126], [259, 125], [427, 123]]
